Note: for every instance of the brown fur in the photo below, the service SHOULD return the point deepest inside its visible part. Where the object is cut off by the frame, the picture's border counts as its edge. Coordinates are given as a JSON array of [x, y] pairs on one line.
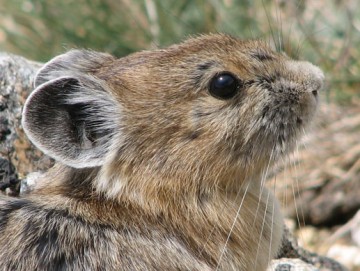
[[154, 173]]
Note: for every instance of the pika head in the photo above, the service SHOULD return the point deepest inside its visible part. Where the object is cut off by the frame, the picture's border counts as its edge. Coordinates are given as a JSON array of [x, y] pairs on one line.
[[179, 133], [200, 113]]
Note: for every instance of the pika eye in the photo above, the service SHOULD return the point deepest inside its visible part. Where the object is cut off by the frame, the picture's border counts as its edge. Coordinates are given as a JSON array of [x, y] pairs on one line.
[[224, 86]]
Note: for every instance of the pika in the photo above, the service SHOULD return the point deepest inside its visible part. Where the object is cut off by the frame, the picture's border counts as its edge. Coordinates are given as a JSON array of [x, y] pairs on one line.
[[161, 157]]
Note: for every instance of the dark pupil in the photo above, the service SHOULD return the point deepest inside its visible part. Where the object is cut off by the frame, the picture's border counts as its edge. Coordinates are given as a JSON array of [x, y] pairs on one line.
[[223, 86]]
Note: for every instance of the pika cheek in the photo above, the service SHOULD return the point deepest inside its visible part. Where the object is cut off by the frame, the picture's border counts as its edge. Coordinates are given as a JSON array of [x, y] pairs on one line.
[[310, 98], [307, 106]]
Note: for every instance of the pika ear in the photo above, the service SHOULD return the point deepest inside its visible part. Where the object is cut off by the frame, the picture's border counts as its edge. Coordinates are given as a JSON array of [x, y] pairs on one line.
[[71, 116], [72, 62]]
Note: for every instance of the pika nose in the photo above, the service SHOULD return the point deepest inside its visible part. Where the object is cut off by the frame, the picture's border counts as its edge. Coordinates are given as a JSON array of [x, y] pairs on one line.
[[317, 77], [310, 76]]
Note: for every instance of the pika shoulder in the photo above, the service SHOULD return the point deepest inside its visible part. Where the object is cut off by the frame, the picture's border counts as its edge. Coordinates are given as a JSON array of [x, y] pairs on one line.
[[160, 158]]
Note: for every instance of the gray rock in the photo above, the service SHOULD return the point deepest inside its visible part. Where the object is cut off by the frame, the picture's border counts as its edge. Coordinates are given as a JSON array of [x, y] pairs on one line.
[[291, 250], [29, 183], [291, 265], [18, 156]]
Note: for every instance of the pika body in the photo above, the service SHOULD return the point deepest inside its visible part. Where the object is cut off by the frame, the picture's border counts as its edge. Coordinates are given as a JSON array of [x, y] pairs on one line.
[[160, 158]]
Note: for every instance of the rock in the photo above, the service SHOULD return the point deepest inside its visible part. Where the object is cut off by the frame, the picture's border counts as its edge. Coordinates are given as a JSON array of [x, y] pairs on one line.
[[351, 228], [291, 250], [348, 255], [28, 184], [290, 265], [355, 229], [18, 156], [9, 181], [343, 245]]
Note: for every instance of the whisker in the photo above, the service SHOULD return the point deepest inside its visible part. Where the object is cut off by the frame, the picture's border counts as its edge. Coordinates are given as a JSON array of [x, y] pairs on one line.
[[285, 165], [298, 188], [294, 195], [300, 42], [232, 226], [272, 222], [270, 25], [214, 227], [262, 229], [279, 22], [262, 184], [222, 211]]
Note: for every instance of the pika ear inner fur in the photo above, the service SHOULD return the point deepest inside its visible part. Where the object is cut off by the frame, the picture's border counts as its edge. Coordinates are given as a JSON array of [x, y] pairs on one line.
[[71, 116]]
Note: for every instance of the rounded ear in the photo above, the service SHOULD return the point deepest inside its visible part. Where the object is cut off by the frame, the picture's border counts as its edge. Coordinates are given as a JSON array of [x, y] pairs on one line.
[[72, 119], [70, 63]]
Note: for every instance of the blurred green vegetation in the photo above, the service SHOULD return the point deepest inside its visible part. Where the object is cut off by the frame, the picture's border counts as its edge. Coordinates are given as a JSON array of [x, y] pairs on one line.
[[326, 32]]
